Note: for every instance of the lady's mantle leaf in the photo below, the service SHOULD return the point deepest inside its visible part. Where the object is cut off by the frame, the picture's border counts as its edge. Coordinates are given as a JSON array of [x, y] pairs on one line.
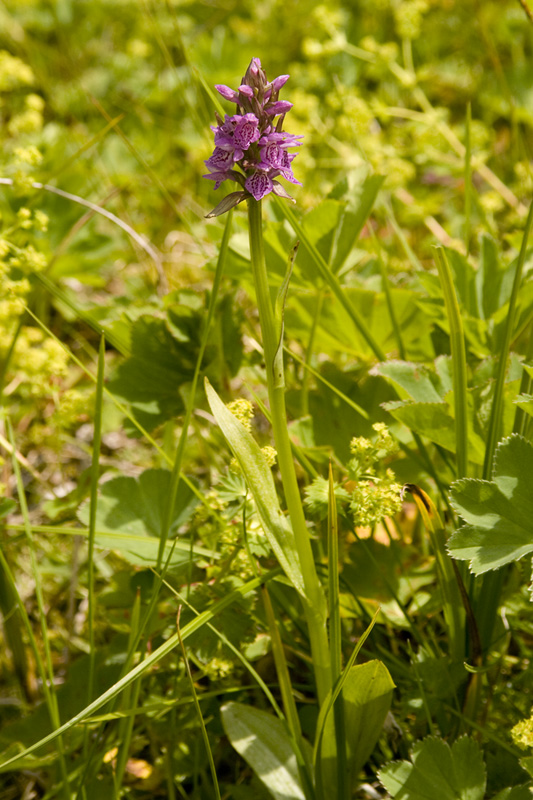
[[498, 513], [438, 771], [130, 511]]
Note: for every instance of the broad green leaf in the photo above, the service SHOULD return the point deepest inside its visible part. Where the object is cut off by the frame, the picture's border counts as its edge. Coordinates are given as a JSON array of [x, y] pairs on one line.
[[337, 332], [150, 378], [367, 694], [130, 511], [262, 740], [438, 772], [436, 422], [515, 792], [259, 478], [498, 513], [420, 382]]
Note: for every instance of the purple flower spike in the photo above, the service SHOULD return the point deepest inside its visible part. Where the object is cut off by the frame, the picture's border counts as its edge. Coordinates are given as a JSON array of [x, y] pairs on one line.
[[250, 147]]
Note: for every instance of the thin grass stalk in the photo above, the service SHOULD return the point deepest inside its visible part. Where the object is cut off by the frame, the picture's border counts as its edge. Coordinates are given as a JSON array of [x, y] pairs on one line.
[[205, 737], [143, 243], [95, 472], [468, 177], [130, 700], [176, 469], [6, 359], [457, 342], [406, 247], [314, 601], [237, 653], [449, 580], [47, 670], [495, 420], [309, 353], [521, 418], [13, 632], [335, 636]]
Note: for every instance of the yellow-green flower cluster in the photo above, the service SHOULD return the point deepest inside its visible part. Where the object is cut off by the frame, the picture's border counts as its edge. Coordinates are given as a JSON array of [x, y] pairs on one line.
[[366, 453], [374, 500], [408, 17], [522, 733], [14, 73], [40, 361], [243, 410], [376, 494]]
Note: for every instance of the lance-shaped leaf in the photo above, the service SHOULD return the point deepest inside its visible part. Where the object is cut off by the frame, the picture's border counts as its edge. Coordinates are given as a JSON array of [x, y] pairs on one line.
[[498, 513], [262, 740], [229, 202], [261, 484], [438, 771]]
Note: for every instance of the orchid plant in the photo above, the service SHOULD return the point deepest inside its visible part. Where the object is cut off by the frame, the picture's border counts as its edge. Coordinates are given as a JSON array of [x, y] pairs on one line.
[[355, 698]]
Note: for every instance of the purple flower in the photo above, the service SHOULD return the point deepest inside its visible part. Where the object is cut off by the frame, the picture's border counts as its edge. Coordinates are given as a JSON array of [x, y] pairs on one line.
[[246, 131], [221, 160], [251, 141], [259, 184]]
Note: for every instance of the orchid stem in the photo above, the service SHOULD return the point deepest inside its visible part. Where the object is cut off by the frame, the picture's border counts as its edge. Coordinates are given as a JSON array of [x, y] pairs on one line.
[[314, 602]]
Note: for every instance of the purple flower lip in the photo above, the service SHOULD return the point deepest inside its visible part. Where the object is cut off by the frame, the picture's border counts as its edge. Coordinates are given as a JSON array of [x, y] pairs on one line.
[[251, 141]]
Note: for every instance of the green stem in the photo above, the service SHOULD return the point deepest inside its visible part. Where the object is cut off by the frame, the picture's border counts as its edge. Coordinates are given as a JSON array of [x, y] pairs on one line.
[[314, 602]]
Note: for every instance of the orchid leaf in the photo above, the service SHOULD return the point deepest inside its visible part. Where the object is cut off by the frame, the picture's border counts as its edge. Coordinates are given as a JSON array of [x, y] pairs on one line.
[[259, 479], [262, 740], [366, 694]]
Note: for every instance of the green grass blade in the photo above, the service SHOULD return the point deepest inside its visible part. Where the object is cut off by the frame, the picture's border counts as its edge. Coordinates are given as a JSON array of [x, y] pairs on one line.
[[95, 471], [468, 177], [335, 638], [495, 421], [457, 342], [130, 700], [293, 721], [488, 599], [47, 670], [143, 667], [205, 737]]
